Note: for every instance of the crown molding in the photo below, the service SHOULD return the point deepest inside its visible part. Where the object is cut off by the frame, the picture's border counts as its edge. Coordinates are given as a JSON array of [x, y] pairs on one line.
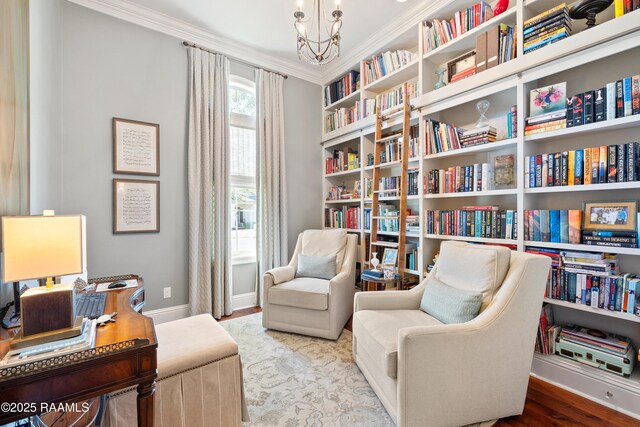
[[165, 24], [394, 29]]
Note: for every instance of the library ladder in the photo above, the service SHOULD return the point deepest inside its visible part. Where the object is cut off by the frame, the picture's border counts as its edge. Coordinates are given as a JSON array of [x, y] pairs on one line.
[[376, 216]]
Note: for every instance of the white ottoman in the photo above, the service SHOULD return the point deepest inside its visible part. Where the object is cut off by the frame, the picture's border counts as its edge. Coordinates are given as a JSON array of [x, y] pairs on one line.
[[199, 379]]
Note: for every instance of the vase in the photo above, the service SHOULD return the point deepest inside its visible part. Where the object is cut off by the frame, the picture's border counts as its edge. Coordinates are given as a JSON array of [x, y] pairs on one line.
[[500, 7], [440, 83], [374, 260]]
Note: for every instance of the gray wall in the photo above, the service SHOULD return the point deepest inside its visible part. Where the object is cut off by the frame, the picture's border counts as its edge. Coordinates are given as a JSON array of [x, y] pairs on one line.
[[45, 90], [112, 68]]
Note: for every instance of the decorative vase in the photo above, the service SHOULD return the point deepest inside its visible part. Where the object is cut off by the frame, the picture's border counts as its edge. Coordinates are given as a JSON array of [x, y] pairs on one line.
[[482, 107], [374, 260], [500, 7], [440, 83]]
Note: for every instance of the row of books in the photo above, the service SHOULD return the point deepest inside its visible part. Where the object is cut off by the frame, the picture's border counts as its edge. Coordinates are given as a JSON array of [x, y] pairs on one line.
[[441, 137], [337, 90], [597, 165], [512, 122], [412, 259], [440, 31], [344, 217], [460, 179], [473, 221], [554, 225], [341, 161], [622, 7], [395, 97], [345, 116], [617, 99], [385, 63], [547, 27], [495, 46], [390, 225]]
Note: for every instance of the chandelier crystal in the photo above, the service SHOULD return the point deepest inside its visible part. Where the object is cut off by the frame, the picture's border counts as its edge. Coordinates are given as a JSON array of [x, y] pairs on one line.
[[318, 51]]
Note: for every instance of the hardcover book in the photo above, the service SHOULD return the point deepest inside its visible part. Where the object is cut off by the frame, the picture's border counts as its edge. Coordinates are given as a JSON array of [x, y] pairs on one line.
[[619, 100], [571, 163], [627, 95], [612, 173], [610, 93], [575, 223], [600, 105], [569, 113], [564, 226], [503, 171], [587, 166], [588, 106], [579, 167], [578, 109]]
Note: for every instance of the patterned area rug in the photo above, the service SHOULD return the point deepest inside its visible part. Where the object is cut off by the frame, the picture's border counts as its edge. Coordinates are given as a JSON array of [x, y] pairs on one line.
[[293, 380]]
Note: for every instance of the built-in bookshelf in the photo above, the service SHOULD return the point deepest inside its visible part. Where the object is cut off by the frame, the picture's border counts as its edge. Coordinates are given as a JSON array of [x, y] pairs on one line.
[[586, 60]]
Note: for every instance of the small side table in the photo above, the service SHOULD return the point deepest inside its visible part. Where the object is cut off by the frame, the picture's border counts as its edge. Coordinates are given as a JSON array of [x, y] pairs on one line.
[[381, 284]]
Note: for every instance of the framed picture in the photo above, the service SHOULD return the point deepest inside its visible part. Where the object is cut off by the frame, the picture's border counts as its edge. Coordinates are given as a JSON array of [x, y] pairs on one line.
[[611, 216], [389, 257], [460, 64], [547, 99], [136, 206], [136, 147]]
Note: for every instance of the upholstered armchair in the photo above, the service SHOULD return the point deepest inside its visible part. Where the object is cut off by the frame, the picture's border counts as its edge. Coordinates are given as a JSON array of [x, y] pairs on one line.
[[319, 307], [427, 373]]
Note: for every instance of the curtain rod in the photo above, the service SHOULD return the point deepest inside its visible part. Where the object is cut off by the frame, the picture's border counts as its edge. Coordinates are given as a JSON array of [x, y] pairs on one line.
[[185, 43]]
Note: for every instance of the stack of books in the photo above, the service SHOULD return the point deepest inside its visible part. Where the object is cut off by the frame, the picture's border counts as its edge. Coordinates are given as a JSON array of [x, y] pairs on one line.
[[413, 224], [385, 63], [546, 122], [597, 165], [372, 274], [441, 137], [546, 28], [473, 221], [603, 341], [395, 97], [468, 72], [478, 136], [337, 90], [555, 225], [441, 31], [619, 239], [461, 179]]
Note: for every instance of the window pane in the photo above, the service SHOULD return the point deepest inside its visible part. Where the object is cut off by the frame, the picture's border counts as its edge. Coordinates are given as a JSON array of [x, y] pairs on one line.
[[242, 101], [243, 221], [243, 152]]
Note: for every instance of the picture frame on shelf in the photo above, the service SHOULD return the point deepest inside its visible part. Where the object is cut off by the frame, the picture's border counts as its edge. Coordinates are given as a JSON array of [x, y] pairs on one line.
[[461, 63], [136, 206], [136, 147], [547, 99], [610, 216], [390, 257]]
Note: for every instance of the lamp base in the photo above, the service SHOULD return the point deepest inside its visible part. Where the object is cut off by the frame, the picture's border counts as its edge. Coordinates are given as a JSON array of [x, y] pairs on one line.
[[11, 319], [588, 9]]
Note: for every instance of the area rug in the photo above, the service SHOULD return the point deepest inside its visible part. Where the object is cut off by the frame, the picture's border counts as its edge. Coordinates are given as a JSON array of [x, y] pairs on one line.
[[292, 380]]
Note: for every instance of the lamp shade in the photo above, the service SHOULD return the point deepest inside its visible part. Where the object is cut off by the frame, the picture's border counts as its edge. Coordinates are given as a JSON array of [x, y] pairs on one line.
[[36, 247]]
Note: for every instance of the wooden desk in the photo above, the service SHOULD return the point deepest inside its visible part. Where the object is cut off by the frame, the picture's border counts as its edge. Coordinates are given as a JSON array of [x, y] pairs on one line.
[[124, 356]]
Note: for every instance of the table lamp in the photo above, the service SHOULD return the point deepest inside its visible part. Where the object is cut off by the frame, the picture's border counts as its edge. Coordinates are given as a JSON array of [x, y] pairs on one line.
[[42, 247]]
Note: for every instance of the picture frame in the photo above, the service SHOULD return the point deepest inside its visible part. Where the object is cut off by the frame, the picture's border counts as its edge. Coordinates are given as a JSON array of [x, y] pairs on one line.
[[461, 63], [389, 257], [136, 206], [547, 99], [610, 216], [136, 147]]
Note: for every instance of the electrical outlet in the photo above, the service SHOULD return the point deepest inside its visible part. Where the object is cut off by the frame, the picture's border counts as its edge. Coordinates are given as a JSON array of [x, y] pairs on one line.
[[167, 293]]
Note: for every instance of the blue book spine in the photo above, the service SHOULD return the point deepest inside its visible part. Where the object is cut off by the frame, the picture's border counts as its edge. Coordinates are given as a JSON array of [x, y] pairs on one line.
[[478, 227], [578, 167], [509, 130], [545, 226], [631, 298], [532, 172], [627, 96], [554, 225], [571, 297], [564, 226], [583, 292], [619, 293]]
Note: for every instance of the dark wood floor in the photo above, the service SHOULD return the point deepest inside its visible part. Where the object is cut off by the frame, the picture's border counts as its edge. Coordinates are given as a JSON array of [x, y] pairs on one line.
[[546, 405]]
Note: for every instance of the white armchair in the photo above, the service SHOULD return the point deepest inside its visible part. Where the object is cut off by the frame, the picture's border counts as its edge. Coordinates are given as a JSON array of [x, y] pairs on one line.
[[312, 306], [427, 373]]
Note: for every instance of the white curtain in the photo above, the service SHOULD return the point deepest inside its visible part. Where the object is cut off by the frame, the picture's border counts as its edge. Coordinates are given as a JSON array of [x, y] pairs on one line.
[[209, 191], [272, 194]]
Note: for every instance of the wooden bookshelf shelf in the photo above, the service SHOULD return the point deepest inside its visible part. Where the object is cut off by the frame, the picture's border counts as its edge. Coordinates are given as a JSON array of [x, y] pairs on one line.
[[342, 173], [342, 102], [506, 192], [467, 41], [588, 187], [472, 239], [600, 311], [591, 128], [394, 78], [492, 146], [351, 127], [586, 248]]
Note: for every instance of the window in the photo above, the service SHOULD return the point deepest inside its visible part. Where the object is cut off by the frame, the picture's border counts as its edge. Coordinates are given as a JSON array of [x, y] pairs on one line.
[[242, 106]]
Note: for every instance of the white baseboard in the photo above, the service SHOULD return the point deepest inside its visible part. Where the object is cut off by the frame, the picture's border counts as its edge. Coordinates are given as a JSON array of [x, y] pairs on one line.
[[168, 314], [176, 312], [244, 300]]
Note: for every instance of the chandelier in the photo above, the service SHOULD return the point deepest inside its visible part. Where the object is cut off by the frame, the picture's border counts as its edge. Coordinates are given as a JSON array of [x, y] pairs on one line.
[[318, 51]]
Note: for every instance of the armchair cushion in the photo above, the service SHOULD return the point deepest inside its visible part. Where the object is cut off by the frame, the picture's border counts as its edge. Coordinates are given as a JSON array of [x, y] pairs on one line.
[[301, 292], [320, 267], [325, 242], [449, 304], [377, 332], [478, 268]]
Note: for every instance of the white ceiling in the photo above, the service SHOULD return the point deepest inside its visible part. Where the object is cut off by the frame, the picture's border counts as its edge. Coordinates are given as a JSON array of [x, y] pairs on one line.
[[268, 24]]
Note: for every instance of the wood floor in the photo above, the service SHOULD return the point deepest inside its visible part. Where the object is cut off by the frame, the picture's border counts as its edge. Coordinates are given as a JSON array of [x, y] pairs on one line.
[[546, 405]]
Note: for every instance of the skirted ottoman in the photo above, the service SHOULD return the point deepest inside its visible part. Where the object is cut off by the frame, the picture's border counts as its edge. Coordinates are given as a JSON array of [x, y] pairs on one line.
[[199, 379]]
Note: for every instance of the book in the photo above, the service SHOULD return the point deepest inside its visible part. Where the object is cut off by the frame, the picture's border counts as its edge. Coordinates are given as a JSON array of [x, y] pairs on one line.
[[503, 171], [578, 168], [571, 164], [588, 98], [599, 105], [610, 92], [587, 166], [619, 99], [627, 95], [612, 171], [575, 224], [635, 92], [578, 109], [569, 111], [481, 52]]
